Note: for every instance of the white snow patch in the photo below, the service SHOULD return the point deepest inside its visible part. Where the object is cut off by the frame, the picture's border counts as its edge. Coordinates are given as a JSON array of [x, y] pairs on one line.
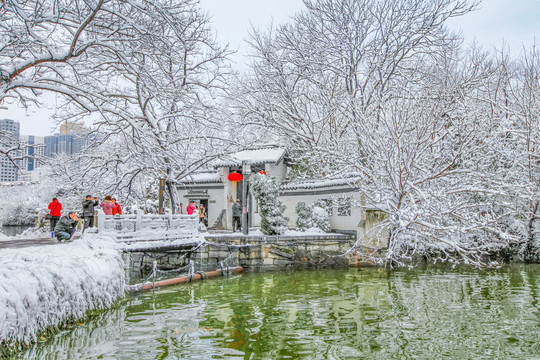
[[47, 285], [33, 233], [257, 233], [308, 232], [156, 244]]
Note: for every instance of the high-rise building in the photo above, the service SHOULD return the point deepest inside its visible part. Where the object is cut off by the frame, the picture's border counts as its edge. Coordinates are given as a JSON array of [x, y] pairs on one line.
[[65, 143], [9, 138], [72, 127], [32, 149]]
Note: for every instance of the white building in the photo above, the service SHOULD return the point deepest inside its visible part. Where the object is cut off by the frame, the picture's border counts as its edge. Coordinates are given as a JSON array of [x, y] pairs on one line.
[[344, 200], [33, 148], [9, 139]]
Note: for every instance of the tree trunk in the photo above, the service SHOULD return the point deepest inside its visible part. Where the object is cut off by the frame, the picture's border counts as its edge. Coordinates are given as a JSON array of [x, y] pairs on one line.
[[173, 196], [530, 233]]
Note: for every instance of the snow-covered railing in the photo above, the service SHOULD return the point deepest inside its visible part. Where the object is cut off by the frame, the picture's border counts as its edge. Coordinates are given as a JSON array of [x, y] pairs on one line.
[[148, 227]]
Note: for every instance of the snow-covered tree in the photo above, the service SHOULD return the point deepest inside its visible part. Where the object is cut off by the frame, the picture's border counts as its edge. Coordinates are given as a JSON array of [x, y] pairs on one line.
[[266, 190], [60, 46], [148, 74], [312, 79], [515, 100], [305, 216], [20, 204], [170, 122], [380, 88]]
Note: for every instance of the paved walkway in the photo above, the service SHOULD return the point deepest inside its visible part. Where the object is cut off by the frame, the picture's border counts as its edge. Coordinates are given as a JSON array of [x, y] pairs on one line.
[[21, 243]]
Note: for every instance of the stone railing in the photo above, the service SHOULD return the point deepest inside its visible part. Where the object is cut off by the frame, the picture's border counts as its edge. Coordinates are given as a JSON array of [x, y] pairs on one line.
[[149, 227]]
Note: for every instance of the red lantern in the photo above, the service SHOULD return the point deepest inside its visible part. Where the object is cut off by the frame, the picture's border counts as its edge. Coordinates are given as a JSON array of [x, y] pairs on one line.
[[235, 177], [262, 172]]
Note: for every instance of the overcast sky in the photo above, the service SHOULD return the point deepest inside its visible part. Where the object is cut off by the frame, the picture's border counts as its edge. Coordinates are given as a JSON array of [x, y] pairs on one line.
[[517, 22]]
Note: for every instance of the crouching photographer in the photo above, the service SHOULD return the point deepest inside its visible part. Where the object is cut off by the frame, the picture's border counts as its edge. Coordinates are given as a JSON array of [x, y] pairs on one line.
[[66, 226]]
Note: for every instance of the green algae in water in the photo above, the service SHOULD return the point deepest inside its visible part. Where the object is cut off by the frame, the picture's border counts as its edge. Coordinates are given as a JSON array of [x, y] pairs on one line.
[[424, 313]]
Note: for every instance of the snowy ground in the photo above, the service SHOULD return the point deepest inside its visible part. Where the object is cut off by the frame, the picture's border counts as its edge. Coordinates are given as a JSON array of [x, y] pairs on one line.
[[46, 285], [31, 233], [160, 243]]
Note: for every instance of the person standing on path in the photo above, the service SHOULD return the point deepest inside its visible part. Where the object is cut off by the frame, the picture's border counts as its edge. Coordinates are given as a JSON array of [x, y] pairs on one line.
[[117, 210], [236, 216], [66, 226], [88, 211], [191, 208], [202, 213], [107, 205], [54, 210]]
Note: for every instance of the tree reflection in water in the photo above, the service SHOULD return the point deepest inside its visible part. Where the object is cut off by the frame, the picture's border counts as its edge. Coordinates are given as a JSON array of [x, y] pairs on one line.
[[427, 312]]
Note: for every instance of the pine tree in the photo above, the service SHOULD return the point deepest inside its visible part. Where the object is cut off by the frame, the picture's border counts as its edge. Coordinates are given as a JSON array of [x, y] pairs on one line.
[[266, 189]]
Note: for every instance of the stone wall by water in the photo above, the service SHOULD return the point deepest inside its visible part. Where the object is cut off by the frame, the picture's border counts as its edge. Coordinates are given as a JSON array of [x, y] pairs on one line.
[[253, 253]]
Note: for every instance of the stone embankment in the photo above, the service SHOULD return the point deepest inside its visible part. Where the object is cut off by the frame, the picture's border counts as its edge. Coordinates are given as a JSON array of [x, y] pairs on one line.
[[253, 253]]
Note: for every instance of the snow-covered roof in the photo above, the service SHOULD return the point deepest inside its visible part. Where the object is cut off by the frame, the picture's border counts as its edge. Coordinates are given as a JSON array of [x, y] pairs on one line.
[[202, 178], [318, 184], [259, 156]]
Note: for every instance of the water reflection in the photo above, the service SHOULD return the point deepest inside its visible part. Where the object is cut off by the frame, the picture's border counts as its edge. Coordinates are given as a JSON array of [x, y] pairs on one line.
[[14, 230], [345, 314]]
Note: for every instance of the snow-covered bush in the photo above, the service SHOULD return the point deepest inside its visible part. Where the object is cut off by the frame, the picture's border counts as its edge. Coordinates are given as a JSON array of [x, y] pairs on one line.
[[266, 189], [19, 203], [48, 285], [320, 219], [312, 217], [305, 216], [20, 214]]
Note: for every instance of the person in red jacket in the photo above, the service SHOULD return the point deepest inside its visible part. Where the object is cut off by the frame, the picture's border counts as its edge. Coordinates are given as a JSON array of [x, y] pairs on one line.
[[117, 210], [190, 208], [54, 210]]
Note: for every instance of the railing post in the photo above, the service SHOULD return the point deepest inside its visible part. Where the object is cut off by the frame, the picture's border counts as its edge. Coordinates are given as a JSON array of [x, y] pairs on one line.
[[138, 220], [100, 220], [168, 213]]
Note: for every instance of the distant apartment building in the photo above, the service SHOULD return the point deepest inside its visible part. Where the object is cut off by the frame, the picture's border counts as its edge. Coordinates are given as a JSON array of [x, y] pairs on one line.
[[28, 160], [33, 149], [9, 137], [73, 137], [68, 144], [72, 127]]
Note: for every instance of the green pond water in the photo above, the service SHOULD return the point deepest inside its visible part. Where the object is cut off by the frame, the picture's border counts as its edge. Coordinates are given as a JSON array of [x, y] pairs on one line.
[[365, 313]]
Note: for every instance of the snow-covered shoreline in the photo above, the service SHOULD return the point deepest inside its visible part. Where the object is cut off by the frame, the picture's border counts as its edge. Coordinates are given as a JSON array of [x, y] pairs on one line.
[[47, 285]]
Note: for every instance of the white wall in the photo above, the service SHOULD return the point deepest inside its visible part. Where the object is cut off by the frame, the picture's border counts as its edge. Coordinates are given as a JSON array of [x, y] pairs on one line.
[[278, 171], [215, 199], [350, 223]]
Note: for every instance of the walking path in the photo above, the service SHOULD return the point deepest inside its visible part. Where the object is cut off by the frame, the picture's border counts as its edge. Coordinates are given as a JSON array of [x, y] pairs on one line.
[[22, 243]]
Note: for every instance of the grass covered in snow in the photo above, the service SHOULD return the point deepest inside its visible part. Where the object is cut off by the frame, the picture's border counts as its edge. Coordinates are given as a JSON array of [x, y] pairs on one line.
[[48, 285]]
